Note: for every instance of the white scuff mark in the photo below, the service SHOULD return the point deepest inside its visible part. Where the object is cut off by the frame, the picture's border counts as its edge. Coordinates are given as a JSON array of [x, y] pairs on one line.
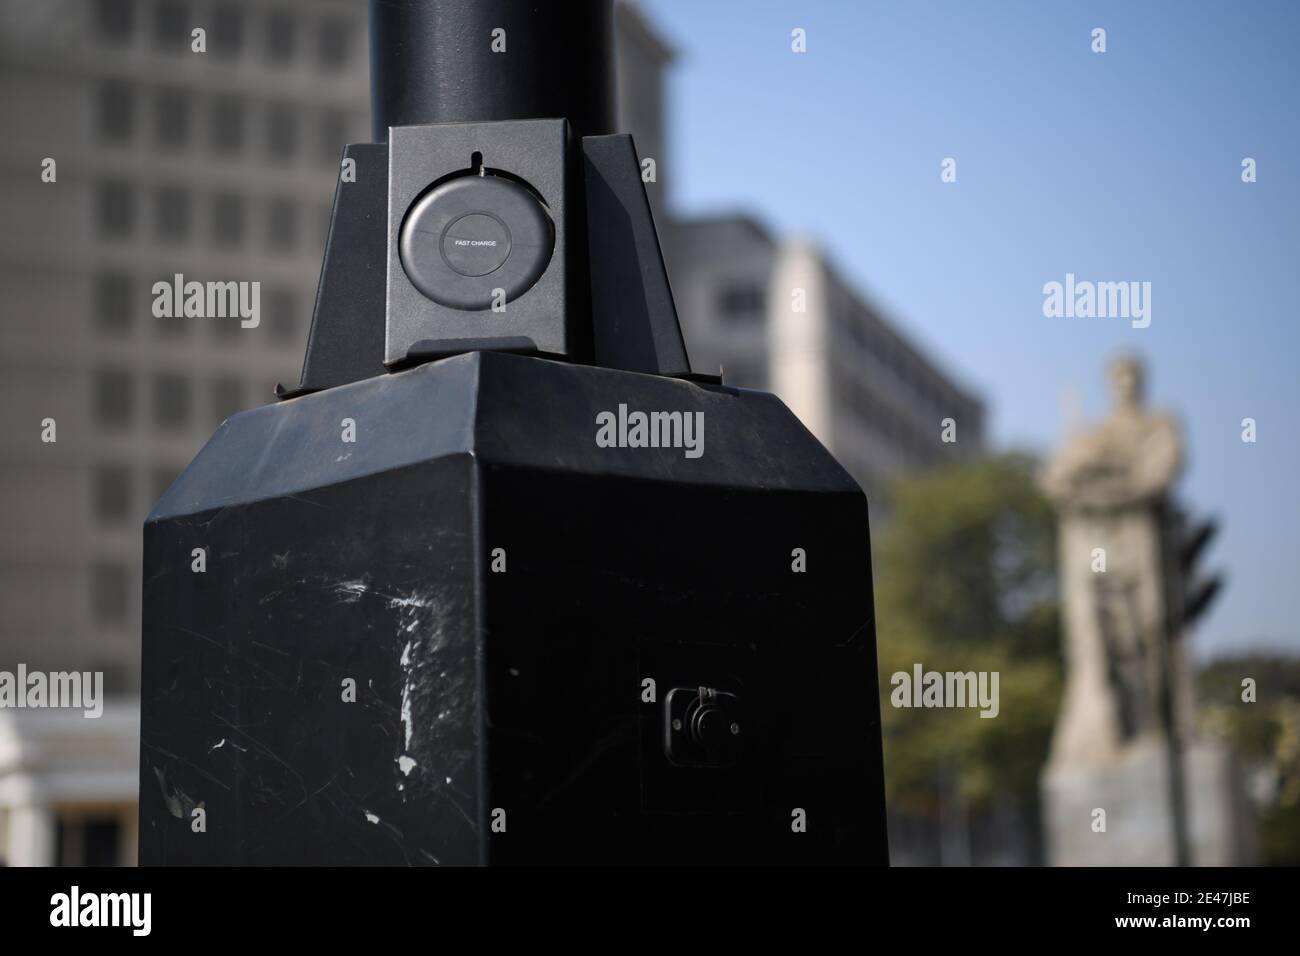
[[218, 745], [514, 672], [371, 817], [405, 764], [411, 600], [448, 781], [408, 677], [344, 457], [351, 590], [176, 800], [421, 628], [406, 713]]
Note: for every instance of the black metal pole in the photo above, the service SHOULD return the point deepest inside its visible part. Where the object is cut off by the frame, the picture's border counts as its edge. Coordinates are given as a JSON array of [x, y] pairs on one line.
[[1170, 712], [449, 61]]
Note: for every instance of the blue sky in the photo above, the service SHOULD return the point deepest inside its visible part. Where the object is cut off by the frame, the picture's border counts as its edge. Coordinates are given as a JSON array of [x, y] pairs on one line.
[[1117, 166]]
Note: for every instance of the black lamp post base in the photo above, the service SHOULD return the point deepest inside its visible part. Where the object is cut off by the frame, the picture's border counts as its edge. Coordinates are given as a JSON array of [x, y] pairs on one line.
[[475, 634]]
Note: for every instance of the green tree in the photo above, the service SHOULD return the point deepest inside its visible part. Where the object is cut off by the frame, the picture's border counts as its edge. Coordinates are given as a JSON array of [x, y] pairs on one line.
[[966, 581], [1265, 733]]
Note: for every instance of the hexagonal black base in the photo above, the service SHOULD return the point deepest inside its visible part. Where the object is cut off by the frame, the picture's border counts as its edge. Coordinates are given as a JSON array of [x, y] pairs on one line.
[[501, 716]]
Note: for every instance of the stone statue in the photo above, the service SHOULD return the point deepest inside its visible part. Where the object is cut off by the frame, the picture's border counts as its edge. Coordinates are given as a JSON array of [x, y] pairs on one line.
[[1112, 484], [1126, 714], [1132, 459]]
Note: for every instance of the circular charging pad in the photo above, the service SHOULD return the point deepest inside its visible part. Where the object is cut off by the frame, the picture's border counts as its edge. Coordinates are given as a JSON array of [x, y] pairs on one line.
[[471, 235]]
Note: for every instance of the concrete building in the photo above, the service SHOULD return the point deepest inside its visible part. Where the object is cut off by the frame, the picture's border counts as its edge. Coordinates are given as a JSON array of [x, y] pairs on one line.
[[775, 313], [218, 166]]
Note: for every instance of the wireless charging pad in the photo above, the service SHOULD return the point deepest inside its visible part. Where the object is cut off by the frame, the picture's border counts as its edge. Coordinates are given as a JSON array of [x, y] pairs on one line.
[[476, 240]]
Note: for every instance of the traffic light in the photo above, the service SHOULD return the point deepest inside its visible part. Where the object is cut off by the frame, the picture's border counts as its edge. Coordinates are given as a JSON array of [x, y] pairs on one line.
[[1191, 593]]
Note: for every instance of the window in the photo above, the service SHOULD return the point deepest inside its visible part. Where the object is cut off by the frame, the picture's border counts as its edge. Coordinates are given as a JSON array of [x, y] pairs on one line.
[[282, 318], [335, 43], [333, 136], [740, 303], [171, 27], [228, 218], [172, 327], [171, 400], [114, 303], [226, 331], [114, 20], [172, 213], [112, 489], [109, 584], [114, 398], [227, 132], [88, 842], [171, 119], [176, 325], [227, 34], [227, 398], [282, 223], [116, 112], [857, 332], [281, 131], [279, 36], [115, 208]]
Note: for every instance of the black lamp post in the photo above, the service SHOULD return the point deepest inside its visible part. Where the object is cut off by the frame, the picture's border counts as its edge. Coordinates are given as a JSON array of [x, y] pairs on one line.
[[500, 580]]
